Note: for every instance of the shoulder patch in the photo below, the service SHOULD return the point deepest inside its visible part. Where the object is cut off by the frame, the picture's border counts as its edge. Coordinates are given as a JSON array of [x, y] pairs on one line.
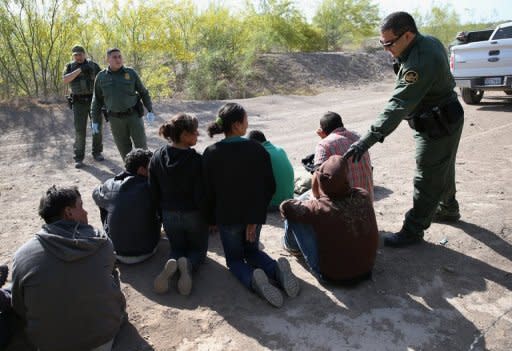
[[127, 76], [411, 77]]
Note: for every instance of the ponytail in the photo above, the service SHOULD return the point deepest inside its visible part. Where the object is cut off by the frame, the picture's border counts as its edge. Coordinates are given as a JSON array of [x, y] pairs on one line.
[[181, 122], [213, 128], [228, 114]]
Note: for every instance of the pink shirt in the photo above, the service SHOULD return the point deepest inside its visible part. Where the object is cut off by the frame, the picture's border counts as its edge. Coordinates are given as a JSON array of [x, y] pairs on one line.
[[360, 174]]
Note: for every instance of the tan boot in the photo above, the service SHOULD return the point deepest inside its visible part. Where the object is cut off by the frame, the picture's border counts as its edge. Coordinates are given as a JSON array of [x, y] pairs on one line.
[[264, 289], [161, 283], [185, 280]]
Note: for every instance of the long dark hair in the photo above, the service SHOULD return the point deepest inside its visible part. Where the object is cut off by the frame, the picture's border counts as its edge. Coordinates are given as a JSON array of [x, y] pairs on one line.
[[227, 115]]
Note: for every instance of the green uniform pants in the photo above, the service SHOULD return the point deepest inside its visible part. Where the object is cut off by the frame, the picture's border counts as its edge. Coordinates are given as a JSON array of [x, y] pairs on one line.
[[434, 180], [81, 110], [127, 129]]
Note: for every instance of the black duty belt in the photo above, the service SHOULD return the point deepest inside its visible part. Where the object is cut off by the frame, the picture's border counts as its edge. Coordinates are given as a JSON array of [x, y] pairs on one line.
[[121, 114], [82, 98]]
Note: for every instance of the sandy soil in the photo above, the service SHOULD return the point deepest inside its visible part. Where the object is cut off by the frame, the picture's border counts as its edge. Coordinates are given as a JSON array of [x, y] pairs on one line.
[[454, 296]]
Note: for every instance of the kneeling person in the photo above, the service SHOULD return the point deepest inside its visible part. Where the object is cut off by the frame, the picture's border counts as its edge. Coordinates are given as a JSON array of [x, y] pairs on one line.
[[64, 287], [127, 212], [336, 231], [176, 184]]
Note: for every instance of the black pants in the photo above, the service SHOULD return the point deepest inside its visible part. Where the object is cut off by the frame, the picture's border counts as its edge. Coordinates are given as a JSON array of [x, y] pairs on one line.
[[6, 323]]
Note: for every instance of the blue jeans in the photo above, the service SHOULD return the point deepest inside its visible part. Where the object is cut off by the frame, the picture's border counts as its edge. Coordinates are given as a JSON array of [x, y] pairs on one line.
[[242, 256], [188, 236], [301, 236]]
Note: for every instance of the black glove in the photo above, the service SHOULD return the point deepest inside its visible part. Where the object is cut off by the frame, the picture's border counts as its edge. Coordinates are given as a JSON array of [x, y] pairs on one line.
[[86, 68], [307, 162], [356, 151], [74, 66]]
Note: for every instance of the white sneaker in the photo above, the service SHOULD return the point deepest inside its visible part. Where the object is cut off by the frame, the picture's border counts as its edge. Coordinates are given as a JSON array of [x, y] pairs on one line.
[[161, 283], [286, 279], [185, 280], [264, 289]]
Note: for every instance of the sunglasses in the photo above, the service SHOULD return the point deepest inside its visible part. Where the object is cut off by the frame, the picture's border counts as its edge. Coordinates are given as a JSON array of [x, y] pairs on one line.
[[390, 43]]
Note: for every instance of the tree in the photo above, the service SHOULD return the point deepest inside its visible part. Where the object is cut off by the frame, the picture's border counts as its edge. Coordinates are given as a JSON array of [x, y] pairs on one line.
[[345, 21], [441, 22], [33, 35], [219, 47], [276, 26]]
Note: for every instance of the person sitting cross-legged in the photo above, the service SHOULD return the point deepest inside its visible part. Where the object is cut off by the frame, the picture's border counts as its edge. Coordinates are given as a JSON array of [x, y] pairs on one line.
[[335, 230]]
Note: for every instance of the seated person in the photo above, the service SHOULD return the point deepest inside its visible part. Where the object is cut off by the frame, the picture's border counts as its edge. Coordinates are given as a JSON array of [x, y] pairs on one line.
[[5, 309], [128, 214], [336, 230], [64, 286], [336, 140], [281, 168]]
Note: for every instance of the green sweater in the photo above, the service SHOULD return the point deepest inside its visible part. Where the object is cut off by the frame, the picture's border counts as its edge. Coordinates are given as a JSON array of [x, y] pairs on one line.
[[283, 173]]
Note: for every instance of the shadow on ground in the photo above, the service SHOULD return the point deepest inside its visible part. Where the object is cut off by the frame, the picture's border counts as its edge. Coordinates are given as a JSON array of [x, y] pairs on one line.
[[385, 313]]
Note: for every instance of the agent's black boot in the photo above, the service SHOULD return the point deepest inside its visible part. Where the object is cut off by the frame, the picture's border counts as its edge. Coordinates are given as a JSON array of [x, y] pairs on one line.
[[402, 238]]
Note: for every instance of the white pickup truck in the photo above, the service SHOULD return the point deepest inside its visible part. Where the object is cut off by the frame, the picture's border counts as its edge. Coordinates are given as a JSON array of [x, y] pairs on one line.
[[484, 65]]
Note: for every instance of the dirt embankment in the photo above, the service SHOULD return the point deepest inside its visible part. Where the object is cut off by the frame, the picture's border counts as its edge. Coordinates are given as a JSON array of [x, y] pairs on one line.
[[311, 73]]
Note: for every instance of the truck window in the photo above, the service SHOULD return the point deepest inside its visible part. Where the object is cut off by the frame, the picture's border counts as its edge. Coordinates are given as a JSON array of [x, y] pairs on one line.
[[481, 35], [503, 33]]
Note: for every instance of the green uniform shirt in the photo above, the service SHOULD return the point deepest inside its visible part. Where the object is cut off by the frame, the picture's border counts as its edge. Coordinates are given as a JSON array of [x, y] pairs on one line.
[[423, 79], [118, 91], [83, 84]]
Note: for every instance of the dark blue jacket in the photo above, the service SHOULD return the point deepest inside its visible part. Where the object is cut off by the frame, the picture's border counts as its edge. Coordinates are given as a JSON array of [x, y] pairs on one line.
[[131, 219]]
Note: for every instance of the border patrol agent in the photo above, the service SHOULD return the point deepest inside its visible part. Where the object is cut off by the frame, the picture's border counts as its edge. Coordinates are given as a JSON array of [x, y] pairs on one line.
[[424, 96], [80, 74], [121, 91]]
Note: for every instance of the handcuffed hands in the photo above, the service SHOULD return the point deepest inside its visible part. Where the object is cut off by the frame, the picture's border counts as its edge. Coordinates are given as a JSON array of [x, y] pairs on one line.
[[356, 151], [150, 117]]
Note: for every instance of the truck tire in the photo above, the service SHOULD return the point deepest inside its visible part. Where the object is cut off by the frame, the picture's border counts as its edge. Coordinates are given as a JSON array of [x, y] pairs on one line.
[[471, 96]]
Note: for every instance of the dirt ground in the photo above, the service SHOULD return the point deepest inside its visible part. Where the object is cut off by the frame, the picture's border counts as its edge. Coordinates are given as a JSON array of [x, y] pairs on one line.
[[452, 296]]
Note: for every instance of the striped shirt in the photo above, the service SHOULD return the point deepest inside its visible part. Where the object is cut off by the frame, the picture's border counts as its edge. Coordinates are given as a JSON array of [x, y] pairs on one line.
[[360, 174]]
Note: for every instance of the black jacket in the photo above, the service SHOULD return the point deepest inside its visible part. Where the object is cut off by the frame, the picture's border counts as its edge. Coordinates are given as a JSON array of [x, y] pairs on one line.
[[175, 179], [239, 182], [132, 221]]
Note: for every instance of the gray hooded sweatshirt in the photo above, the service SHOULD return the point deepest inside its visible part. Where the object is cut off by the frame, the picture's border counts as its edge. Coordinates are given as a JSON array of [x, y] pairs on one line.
[[65, 290]]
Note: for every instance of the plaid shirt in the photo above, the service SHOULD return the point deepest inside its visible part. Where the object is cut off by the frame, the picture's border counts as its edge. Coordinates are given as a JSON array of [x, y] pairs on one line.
[[337, 143]]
